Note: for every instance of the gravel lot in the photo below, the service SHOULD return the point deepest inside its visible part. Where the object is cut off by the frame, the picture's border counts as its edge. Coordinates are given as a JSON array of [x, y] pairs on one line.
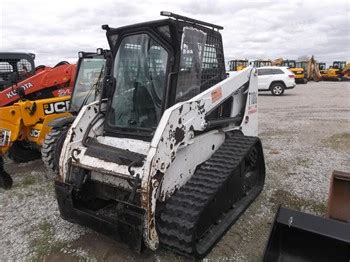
[[305, 134]]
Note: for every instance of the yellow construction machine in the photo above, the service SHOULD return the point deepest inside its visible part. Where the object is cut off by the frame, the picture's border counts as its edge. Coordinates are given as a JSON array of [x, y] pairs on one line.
[[238, 65], [340, 70], [298, 71]]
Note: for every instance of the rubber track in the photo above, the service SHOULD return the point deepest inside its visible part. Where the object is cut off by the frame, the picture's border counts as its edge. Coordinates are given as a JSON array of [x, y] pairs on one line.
[[182, 211]]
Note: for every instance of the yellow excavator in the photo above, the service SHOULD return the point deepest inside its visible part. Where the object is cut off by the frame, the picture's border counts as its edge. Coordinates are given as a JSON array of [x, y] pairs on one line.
[[340, 70], [237, 65], [298, 71], [311, 69]]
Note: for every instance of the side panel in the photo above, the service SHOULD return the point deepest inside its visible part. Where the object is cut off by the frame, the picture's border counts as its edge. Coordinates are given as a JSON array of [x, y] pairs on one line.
[[28, 119], [187, 159], [10, 126], [176, 130]]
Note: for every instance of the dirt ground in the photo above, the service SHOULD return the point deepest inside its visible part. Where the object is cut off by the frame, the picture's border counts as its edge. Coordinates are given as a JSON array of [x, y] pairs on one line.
[[305, 134]]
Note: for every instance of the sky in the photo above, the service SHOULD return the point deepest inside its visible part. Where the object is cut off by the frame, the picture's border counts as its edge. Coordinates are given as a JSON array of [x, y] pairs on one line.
[[58, 30]]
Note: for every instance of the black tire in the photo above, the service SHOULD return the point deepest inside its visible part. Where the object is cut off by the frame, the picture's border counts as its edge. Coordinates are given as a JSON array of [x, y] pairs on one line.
[[22, 152], [277, 89], [5, 179], [304, 81], [52, 146]]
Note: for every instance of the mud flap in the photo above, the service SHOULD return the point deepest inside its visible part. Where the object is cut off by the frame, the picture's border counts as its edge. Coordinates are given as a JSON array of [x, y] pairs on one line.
[[127, 228], [297, 236]]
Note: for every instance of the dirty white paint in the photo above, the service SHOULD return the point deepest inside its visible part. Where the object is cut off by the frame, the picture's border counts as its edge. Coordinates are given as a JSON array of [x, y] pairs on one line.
[[133, 145], [174, 152]]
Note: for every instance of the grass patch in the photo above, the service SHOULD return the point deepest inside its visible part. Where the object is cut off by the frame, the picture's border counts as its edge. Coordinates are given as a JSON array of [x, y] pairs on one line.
[[280, 166], [274, 151], [278, 132], [286, 199], [45, 243], [303, 161], [28, 181], [339, 141]]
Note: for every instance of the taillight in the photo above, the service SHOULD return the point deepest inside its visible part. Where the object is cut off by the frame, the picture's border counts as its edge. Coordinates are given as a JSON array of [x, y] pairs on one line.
[[291, 76]]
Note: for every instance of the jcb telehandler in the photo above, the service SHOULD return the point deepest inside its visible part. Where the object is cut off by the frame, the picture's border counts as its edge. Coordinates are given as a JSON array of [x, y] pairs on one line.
[[26, 107], [87, 88], [169, 156]]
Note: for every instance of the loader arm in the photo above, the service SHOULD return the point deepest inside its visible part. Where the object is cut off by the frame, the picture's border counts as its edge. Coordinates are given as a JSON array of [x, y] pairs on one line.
[[57, 78]]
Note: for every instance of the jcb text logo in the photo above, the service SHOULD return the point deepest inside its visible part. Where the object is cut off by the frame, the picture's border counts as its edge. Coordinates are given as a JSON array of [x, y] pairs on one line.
[[57, 107]]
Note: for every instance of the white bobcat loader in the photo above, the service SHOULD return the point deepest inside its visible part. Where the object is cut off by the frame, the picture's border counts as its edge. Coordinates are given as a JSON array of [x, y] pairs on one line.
[[169, 155]]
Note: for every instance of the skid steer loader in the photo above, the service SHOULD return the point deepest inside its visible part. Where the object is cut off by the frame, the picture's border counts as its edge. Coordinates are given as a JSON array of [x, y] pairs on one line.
[[26, 109], [87, 88], [15, 67], [169, 155]]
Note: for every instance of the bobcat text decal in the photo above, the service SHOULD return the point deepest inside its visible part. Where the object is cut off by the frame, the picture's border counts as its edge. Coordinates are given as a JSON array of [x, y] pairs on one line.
[[253, 102], [56, 107]]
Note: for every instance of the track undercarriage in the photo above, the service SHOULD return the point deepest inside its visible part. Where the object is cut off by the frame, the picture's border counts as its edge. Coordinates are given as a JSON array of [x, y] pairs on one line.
[[196, 217]]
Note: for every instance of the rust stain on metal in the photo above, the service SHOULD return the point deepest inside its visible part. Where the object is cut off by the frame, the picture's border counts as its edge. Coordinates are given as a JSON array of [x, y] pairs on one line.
[[216, 94]]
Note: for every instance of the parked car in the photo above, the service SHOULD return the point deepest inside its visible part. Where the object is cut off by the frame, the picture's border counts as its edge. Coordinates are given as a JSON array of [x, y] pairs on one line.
[[275, 79]]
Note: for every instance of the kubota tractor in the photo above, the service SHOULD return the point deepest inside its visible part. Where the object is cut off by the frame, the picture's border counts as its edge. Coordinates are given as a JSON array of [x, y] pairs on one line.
[[27, 107], [87, 88], [169, 156]]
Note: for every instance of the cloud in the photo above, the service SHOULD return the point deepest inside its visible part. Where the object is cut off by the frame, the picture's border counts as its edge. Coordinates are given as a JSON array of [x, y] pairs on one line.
[[56, 31]]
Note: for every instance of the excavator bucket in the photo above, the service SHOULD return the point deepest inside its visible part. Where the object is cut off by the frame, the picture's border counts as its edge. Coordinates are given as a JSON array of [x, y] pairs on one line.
[[297, 236], [339, 196]]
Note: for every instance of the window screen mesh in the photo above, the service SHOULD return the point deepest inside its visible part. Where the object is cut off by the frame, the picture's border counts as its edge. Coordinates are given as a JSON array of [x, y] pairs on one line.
[[201, 63]]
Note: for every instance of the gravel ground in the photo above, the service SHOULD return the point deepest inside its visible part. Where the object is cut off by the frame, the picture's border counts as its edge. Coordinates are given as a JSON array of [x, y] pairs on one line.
[[305, 135]]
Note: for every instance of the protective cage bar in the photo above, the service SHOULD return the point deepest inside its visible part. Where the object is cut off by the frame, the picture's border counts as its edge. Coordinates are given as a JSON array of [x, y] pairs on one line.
[[191, 20]]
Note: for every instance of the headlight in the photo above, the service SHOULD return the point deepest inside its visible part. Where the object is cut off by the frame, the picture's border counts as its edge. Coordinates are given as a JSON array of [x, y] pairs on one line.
[[5, 136]]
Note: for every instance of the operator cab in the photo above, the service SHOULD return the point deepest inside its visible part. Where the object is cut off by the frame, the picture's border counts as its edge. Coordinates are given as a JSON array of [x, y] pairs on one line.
[[289, 63], [339, 64], [322, 66], [237, 65], [261, 63], [15, 67], [156, 65], [87, 87]]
